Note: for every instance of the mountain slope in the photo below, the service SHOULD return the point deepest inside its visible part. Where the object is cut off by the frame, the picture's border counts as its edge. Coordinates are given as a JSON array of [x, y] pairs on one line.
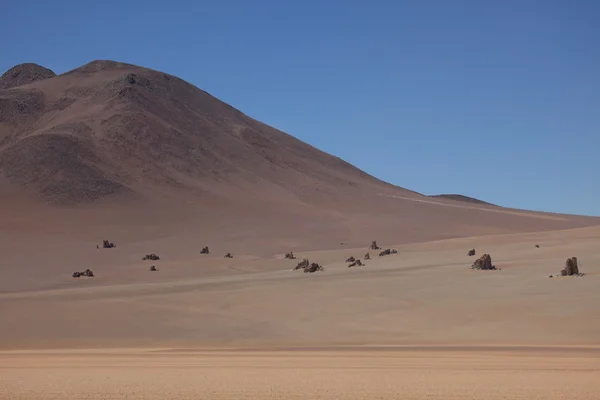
[[122, 147], [132, 127]]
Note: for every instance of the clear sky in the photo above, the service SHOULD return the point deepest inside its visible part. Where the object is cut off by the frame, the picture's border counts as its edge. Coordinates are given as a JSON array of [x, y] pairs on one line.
[[499, 100]]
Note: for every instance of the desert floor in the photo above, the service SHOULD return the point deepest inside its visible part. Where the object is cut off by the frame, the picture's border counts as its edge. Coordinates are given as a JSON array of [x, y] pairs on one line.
[[419, 324]]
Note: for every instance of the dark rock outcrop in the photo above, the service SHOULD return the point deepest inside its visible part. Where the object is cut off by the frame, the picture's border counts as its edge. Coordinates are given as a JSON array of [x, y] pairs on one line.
[[302, 264], [356, 263], [152, 256], [367, 256], [290, 256], [471, 252], [153, 268], [350, 259], [108, 245], [205, 250], [571, 267], [387, 252], [314, 267], [228, 255], [374, 245], [484, 263], [87, 272]]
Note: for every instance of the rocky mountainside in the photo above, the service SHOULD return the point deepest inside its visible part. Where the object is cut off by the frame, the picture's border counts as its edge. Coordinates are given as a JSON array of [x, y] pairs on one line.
[[110, 128]]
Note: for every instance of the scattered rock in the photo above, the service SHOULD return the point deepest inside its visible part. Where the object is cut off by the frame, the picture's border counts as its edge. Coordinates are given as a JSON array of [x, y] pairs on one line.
[[205, 250], [152, 256], [351, 259], [356, 263], [367, 256], [313, 268], [550, 276], [387, 252], [153, 268], [471, 252], [571, 268], [537, 246], [108, 245], [484, 262], [87, 272], [290, 256], [228, 255], [302, 264], [374, 245]]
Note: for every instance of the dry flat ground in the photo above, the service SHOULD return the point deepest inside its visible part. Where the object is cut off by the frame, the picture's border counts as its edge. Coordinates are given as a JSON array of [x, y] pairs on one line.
[[419, 324], [447, 374]]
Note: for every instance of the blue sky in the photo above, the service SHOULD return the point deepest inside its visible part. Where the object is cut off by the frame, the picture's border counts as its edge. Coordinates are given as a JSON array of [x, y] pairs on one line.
[[498, 100]]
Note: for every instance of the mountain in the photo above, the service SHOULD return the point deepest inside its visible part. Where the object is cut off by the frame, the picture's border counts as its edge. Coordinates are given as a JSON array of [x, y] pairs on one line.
[[23, 74], [460, 197], [129, 149]]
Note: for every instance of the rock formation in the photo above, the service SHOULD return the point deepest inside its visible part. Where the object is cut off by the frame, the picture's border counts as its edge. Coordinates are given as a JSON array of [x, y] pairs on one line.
[[571, 267], [356, 263], [205, 250], [367, 256], [87, 272], [228, 255], [471, 252], [374, 245], [152, 256], [484, 262], [313, 268], [302, 264], [351, 259], [153, 268], [108, 245], [290, 256], [387, 252]]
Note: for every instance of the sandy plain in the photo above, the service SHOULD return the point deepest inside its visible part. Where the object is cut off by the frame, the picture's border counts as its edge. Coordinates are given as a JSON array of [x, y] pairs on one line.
[[417, 325]]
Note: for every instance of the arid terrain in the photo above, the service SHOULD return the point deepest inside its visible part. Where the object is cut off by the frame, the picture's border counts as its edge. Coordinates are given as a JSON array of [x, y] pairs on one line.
[[116, 152]]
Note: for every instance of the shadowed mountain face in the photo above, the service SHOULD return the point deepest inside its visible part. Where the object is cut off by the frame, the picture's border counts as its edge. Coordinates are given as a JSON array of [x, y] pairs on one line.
[[460, 197], [143, 142]]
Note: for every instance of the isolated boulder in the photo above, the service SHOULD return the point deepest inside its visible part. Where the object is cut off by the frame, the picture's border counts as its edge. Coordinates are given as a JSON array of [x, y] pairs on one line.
[[471, 252], [367, 256], [313, 268], [152, 256], [571, 268], [88, 273], [228, 255], [76, 274], [153, 268], [537, 246], [205, 250], [484, 262], [302, 264], [108, 245], [374, 245], [290, 256], [356, 263], [351, 259], [387, 252]]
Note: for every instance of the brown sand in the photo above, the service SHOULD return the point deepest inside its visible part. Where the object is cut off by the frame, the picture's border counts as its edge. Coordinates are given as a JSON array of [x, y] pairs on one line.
[[351, 374], [508, 334]]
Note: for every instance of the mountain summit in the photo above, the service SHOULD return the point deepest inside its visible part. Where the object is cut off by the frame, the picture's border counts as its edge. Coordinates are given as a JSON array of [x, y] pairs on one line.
[[24, 74]]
